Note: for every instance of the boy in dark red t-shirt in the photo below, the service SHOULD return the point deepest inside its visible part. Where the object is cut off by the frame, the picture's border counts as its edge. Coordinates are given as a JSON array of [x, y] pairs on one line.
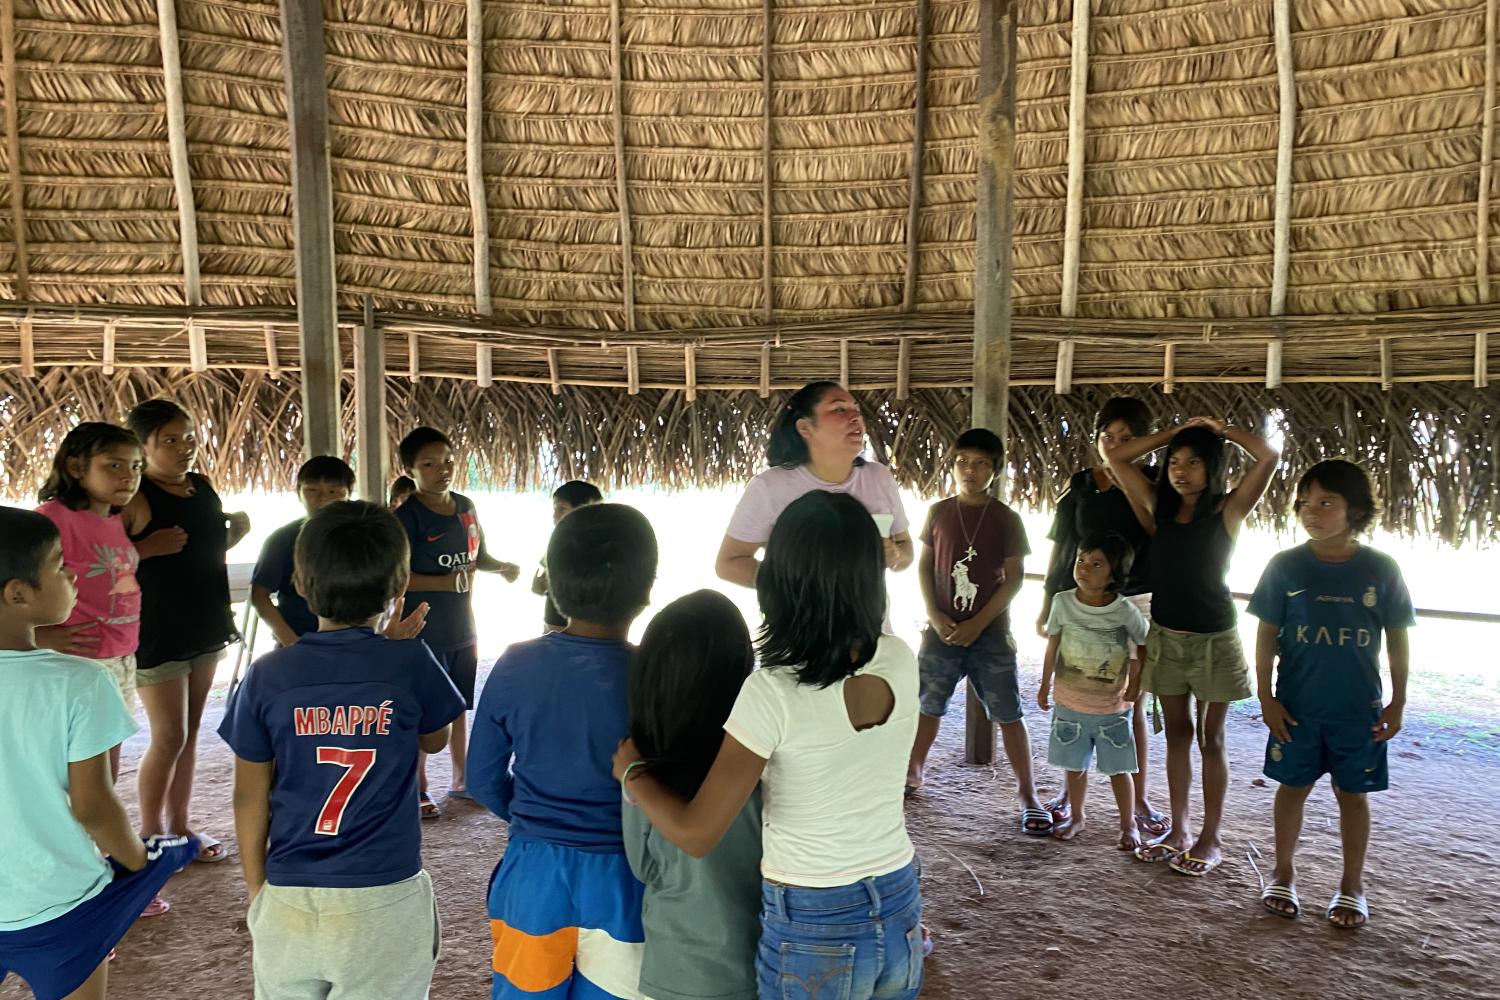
[[971, 567]]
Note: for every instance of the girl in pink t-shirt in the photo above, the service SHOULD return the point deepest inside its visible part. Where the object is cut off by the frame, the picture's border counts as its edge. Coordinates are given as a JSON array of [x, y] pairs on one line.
[[96, 471]]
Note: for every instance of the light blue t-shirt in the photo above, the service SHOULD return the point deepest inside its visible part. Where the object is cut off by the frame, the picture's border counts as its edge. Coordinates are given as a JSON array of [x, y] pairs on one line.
[[54, 710]]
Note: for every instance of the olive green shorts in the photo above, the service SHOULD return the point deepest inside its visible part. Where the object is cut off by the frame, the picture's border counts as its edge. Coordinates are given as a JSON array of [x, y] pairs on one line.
[[1210, 666]]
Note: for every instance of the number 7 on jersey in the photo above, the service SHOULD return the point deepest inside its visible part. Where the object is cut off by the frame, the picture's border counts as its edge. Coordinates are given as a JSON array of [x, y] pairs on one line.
[[357, 764]]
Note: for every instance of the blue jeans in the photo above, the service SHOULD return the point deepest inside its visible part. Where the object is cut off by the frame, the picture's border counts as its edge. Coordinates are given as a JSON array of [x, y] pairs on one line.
[[851, 942]]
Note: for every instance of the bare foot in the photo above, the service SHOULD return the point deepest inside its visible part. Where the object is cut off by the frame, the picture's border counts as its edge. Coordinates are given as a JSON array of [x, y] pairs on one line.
[[1129, 838], [1069, 828], [1202, 858], [1350, 917], [915, 774], [1059, 807]]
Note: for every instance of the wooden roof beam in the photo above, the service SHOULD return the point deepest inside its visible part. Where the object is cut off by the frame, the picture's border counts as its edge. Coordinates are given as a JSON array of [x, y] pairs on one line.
[[1486, 157], [1286, 136], [767, 271], [918, 146], [622, 184], [474, 133], [1073, 217], [13, 147], [182, 174]]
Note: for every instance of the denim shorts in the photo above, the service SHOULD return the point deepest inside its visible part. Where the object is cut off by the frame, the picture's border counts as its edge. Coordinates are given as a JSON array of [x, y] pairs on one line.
[[1348, 751], [1078, 736], [851, 942], [990, 664]]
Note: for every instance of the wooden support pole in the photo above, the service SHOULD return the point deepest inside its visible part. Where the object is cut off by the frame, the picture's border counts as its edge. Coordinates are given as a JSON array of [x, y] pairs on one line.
[[767, 271], [484, 365], [992, 280], [1273, 363], [12, 104], [197, 347], [109, 348], [474, 134], [1073, 218], [1387, 367], [371, 471], [1169, 370], [622, 184], [273, 356], [690, 371], [552, 372], [1486, 155], [918, 147], [632, 371], [1281, 259], [903, 369], [177, 146], [28, 350], [764, 389], [413, 356], [1482, 360], [844, 362], [1063, 381], [312, 222]]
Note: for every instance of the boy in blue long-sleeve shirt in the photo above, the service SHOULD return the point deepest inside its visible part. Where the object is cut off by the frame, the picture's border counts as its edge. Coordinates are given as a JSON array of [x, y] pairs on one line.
[[565, 910]]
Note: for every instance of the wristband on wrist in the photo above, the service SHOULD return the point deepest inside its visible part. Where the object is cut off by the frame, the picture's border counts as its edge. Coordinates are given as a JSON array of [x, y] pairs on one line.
[[625, 777]]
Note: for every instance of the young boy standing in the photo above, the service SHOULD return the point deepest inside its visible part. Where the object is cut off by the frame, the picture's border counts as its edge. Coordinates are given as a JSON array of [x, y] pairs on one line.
[[971, 567], [1323, 608], [326, 734], [447, 547], [1092, 635], [63, 906], [565, 499], [565, 910], [320, 481]]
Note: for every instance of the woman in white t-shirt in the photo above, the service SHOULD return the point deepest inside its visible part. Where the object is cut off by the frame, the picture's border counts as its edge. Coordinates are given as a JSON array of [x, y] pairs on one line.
[[825, 727], [815, 445]]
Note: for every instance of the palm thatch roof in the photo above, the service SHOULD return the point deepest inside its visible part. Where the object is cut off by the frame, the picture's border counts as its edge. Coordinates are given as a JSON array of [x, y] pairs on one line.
[[692, 205]]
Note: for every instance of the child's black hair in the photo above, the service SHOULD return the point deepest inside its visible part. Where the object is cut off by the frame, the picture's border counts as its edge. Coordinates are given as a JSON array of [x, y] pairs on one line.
[[1135, 413], [82, 443], [25, 539], [326, 469], [576, 493], [601, 563], [982, 439], [1349, 481], [401, 488], [684, 679], [1115, 548], [418, 439], [145, 419], [351, 561], [822, 588], [1208, 446], [786, 448]]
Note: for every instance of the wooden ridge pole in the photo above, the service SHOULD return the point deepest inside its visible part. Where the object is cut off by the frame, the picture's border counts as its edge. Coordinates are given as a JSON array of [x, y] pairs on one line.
[[1073, 218], [13, 148], [182, 173], [474, 135], [1286, 136], [622, 184], [767, 270], [1486, 156], [370, 468], [992, 279], [312, 221], [918, 147]]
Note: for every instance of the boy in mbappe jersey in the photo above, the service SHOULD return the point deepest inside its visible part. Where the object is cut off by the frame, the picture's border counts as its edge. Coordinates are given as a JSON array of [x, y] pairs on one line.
[[326, 735]]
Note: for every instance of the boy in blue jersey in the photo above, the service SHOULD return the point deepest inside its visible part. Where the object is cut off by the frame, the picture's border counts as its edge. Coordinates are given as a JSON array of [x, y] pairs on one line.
[[447, 547], [326, 735], [565, 910], [63, 906], [321, 480], [1323, 608]]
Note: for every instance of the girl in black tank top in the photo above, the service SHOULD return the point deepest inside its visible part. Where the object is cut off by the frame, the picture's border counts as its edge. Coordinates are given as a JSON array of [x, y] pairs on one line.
[[1194, 522]]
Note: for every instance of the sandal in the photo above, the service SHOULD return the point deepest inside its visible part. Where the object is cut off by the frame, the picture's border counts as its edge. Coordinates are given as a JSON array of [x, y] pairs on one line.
[[1030, 820], [1153, 823], [1345, 903], [429, 808], [1155, 853], [927, 942], [1275, 892], [1061, 811], [1180, 864], [210, 850], [462, 794], [156, 907]]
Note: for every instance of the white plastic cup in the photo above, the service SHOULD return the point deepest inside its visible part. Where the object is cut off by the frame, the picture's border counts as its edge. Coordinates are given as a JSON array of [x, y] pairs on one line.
[[883, 523]]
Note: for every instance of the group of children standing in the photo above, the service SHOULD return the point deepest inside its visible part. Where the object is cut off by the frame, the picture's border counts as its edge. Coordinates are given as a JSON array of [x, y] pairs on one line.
[[681, 823]]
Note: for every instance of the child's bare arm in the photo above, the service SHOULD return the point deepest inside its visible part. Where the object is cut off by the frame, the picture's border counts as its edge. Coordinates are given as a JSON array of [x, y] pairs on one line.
[[1272, 712], [252, 818], [696, 826], [1140, 491], [1049, 667], [91, 796], [1398, 652], [1248, 493], [539, 583], [1133, 670], [939, 619], [260, 598]]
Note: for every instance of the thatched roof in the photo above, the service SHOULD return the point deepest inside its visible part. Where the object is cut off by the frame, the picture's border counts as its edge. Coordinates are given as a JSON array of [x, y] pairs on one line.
[[789, 215]]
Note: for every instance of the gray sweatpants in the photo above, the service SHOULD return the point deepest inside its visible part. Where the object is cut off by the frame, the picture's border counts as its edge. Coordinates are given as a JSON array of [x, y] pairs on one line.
[[345, 944]]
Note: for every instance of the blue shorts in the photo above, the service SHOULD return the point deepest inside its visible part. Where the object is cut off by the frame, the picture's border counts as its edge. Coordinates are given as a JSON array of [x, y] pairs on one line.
[[1346, 750], [57, 957], [990, 664], [1078, 737], [461, 666]]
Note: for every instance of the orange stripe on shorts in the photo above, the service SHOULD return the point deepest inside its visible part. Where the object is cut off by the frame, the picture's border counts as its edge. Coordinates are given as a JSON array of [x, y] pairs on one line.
[[533, 962]]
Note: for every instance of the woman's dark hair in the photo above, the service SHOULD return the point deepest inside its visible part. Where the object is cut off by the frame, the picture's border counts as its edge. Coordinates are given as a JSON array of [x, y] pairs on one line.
[[821, 588], [82, 443], [684, 679], [145, 419], [576, 493], [1349, 481], [982, 439], [601, 563], [1135, 413], [1208, 446], [25, 538], [1116, 548], [351, 561], [786, 448], [402, 488], [326, 469], [418, 439]]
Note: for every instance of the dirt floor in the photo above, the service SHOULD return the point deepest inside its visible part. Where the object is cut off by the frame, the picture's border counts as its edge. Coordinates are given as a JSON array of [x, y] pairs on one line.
[[1014, 916]]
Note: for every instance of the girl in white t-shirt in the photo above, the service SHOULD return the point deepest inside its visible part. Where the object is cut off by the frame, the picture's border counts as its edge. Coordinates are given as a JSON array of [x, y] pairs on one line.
[[825, 727]]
